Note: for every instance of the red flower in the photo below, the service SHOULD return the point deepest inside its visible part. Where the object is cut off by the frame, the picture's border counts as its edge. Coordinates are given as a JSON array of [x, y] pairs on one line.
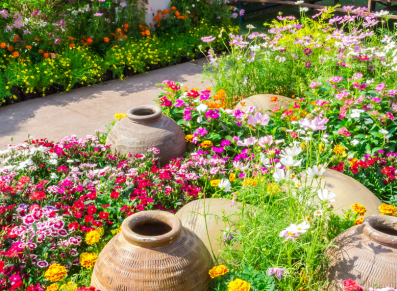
[[79, 204], [1, 266], [114, 195], [73, 225], [97, 223], [91, 209], [351, 285], [16, 285], [103, 215], [37, 195], [88, 218]]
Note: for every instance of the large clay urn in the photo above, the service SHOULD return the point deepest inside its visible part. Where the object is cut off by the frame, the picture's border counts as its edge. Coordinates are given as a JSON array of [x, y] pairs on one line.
[[366, 253], [153, 252], [146, 127], [263, 102], [348, 192], [192, 217]]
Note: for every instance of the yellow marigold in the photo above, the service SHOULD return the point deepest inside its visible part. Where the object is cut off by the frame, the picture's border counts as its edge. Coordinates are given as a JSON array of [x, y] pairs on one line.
[[239, 285], [88, 260], [52, 287], [92, 237], [273, 189], [215, 183], [55, 273], [218, 271], [120, 116], [207, 144], [339, 150], [68, 287], [359, 221], [352, 162], [189, 138], [387, 209], [232, 177], [249, 182], [303, 145], [358, 208]]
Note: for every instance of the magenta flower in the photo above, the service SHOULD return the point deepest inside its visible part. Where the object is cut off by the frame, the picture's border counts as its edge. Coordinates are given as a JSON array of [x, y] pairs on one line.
[[258, 118], [225, 143], [314, 84], [212, 114], [380, 87], [377, 100], [218, 150], [179, 103], [307, 51], [344, 131], [278, 272], [360, 87], [308, 65], [208, 38], [200, 132]]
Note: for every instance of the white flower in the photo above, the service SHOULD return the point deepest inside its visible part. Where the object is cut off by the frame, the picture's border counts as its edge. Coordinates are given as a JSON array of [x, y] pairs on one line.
[[325, 195], [289, 161], [53, 161], [356, 113], [368, 121], [318, 213], [255, 48], [53, 156], [70, 161], [299, 2], [316, 171], [250, 26], [382, 131], [200, 119], [54, 176], [290, 152], [297, 184], [264, 160], [202, 108], [240, 166], [355, 142], [225, 185], [303, 9], [300, 228], [280, 175]]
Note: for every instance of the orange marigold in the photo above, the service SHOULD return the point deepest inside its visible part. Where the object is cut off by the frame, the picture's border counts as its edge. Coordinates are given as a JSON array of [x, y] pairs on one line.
[[71, 45], [218, 271], [10, 48], [89, 40], [3, 45], [126, 25], [358, 208], [28, 47], [173, 8], [15, 54], [143, 33], [177, 13], [46, 55], [147, 32], [106, 39], [37, 39]]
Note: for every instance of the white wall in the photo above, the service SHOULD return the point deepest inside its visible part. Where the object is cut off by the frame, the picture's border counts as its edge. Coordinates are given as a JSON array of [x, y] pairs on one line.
[[152, 8]]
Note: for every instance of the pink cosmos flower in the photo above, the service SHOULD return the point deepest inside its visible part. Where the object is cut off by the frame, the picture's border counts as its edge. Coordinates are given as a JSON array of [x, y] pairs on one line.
[[265, 140], [316, 124], [208, 38], [258, 118], [344, 131], [247, 142]]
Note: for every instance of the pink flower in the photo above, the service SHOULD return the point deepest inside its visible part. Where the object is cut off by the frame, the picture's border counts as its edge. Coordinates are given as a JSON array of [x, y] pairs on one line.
[[394, 106], [351, 285], [380, 87], [377, 100], [276, 271], [258, 118], [42, 264], [335, 79], [265, 140], [344, 131], [212, 114], [314, 84], [247, 142]]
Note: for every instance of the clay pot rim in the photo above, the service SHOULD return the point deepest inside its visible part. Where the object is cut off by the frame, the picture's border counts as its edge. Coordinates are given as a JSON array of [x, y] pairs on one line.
[[133, 113], [151, 216], [370, 225]]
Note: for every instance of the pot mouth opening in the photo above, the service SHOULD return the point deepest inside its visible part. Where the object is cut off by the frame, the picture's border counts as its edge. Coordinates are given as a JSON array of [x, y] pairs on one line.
[[151, 227], [386, 229], [143, 111]]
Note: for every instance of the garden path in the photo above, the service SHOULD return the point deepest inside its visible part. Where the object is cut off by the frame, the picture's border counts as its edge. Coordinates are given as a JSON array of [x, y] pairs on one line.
[[83, 110]]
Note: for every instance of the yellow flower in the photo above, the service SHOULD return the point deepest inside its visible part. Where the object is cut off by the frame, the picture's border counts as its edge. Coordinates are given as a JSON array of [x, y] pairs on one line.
[[303, 145], [215, 183], [207, 144], [218, 271], [387, 209], [359, 221], [273, 189], [339, 150], [88, 260], [239, 285], [232, 177], [92, 237], [358, 208], [189, 138], [321, 147], [52, 287], [68, 287], [352, 162], [120, 116], [250, 182], [55, 273]]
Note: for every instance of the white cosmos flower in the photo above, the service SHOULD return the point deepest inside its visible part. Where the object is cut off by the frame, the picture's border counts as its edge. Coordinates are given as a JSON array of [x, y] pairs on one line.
[[289, 161], [325, 195], [316, 171], [318, 213], [264, 160], [240, 166], [280, 175], [250, 26], [202, 108], [299, 2], [290, 152], [225, 185], [297, 184], [300, 228]]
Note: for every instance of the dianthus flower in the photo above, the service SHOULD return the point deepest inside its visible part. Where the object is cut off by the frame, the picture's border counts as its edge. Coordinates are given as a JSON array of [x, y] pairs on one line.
[[92, 237], [88, 260], [358, 208], [218, 271], [55, 273], [239, 285]]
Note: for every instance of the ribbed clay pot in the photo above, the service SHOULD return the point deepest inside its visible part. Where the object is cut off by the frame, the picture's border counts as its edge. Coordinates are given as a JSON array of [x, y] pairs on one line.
[[153, 252], [192, 217], [146, 127], [263, 102], [366, 253], [348, 192]]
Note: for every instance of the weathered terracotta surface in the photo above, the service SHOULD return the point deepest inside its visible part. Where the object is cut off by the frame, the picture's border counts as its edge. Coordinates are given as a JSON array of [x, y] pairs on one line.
[[366, 253], [191, 216], [348, 192], [153, 252], [146, 127], [263, 102]]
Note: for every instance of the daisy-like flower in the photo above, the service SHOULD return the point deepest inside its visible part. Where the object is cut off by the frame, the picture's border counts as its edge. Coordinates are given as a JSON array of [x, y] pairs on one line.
[[318, 213], [225, 185], [289, 162], [288, 152], [240, 166], [325, 195], [280, 175], [316, 171]]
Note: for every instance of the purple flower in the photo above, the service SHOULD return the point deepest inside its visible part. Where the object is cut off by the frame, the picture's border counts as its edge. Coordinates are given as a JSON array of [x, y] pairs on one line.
[[225, 143], [308, 65], [208, 38], [307, 51], [4, 13], [242, 11], [200, 131], [218, 150], [278, 272], [57, 41], [98, 14], [234, 15]]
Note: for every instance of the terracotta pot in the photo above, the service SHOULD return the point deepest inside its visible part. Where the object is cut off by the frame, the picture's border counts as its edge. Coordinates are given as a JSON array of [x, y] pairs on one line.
[[146, 127], [263, 102], [366, 253], [153, 252], [348, 192], [192, 217]]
